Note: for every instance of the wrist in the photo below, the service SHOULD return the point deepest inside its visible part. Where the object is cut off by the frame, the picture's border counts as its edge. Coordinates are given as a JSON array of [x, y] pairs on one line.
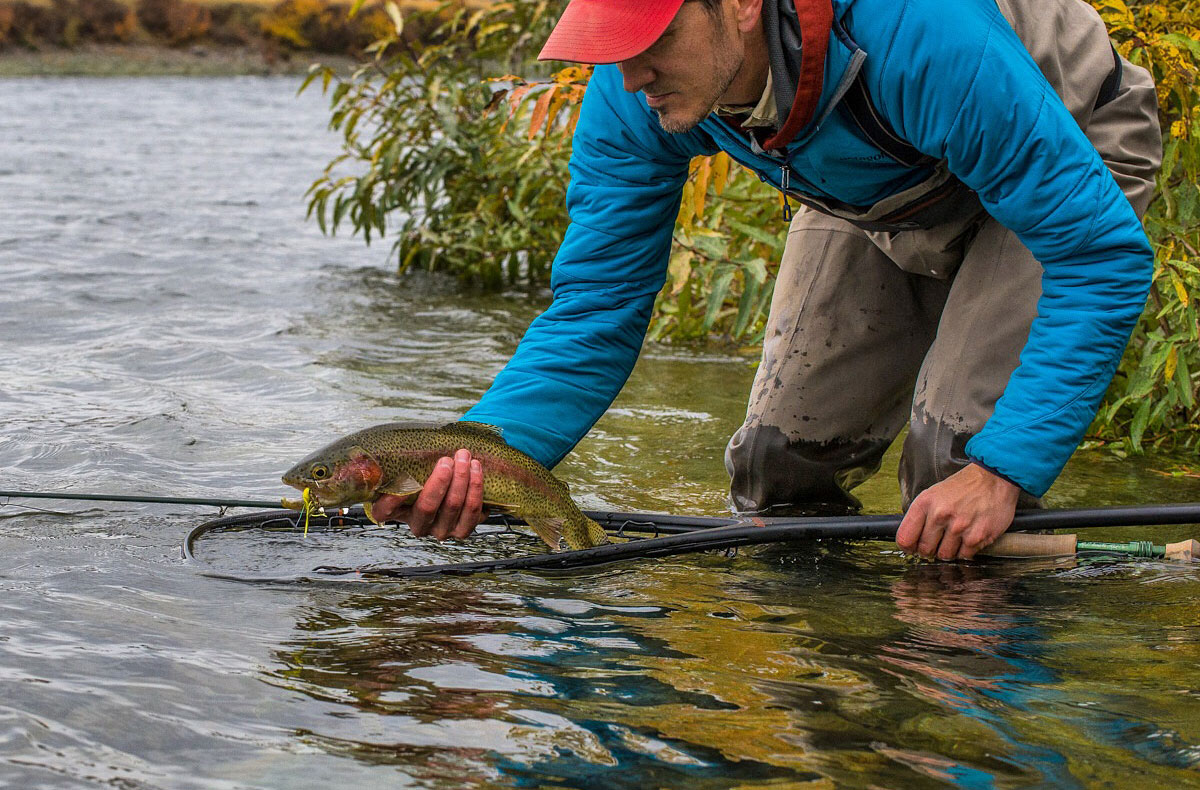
[[993, 472], [995, 480]]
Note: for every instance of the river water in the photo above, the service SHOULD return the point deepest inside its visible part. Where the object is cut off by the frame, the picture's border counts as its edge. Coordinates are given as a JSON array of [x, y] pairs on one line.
[[171, 325]]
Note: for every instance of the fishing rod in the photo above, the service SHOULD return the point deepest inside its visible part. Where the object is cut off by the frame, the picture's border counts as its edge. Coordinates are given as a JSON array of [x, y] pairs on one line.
[[754, 530], [687, 534], [666, 523]]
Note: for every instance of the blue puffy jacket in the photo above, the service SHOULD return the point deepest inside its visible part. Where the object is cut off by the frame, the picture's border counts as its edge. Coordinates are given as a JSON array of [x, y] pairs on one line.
[[959, 86]]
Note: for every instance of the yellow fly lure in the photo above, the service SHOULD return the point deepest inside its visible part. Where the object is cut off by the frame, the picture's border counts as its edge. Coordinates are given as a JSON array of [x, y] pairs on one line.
[[309, 506]]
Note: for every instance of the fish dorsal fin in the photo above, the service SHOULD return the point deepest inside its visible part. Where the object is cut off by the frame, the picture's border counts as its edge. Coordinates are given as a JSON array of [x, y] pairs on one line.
[[494, 431]]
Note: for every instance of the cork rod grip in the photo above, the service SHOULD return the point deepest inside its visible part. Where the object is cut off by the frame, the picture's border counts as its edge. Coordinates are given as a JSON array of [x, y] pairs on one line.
[[1025, 544], [1183, 551]]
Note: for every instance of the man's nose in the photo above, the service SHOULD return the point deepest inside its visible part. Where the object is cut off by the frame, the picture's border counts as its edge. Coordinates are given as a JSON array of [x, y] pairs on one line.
[[636, 73]]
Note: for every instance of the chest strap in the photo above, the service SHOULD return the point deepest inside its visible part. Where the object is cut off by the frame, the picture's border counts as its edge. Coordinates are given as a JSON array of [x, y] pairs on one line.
[[858, 105]]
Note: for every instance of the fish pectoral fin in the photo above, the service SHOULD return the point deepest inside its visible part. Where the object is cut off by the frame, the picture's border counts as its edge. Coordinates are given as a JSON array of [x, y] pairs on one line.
[[499, 507], [367, 510], [293, 504], [404, 485], [549, 530]]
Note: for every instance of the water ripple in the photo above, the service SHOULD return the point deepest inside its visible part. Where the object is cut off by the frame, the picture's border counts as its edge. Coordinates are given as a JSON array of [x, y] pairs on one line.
[[174, 327]]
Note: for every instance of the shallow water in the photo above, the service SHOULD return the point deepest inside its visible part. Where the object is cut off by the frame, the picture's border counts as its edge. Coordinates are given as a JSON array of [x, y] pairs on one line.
[[172, 326]]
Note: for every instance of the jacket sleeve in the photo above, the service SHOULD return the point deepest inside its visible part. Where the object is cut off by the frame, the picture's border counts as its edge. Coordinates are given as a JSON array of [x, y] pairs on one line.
[[962, 87], [626, 181]]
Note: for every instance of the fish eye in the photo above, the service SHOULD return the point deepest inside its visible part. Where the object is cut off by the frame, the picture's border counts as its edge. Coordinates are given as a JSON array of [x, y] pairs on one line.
[[319, 472]]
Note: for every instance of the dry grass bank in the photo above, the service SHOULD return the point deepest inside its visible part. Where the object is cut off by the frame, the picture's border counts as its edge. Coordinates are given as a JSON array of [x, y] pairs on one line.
[[135, 60], [203, 37]]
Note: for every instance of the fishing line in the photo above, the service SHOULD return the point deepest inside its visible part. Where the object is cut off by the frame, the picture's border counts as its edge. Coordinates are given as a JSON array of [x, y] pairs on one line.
[[153, 500]]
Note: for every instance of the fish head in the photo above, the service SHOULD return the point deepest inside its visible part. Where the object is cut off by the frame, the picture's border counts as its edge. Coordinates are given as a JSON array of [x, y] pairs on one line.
[[337, 475]]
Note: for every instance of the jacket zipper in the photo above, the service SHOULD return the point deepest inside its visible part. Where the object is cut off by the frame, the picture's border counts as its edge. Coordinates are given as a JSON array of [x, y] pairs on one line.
[[785, 178], [764, 162]]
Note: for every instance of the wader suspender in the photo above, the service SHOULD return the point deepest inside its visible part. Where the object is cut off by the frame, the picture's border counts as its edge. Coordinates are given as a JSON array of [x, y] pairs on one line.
[[815, 18]]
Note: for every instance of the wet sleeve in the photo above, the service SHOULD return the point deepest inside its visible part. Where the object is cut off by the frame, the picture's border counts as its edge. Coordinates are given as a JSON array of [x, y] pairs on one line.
[[962, 87], [626, 181]]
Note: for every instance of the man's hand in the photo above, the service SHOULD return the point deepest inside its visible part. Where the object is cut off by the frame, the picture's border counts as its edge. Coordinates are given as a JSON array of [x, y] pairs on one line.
[[959, 516], [450, 505]]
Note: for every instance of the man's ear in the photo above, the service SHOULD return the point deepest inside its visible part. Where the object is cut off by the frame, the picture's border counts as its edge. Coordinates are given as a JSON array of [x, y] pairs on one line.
[[749, 14]]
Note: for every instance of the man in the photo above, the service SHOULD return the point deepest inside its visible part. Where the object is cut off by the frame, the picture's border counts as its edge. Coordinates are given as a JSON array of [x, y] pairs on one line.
[[964, 260]]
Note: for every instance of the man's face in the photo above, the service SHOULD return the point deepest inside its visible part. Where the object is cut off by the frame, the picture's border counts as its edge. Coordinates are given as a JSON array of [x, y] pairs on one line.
[[689, 67]]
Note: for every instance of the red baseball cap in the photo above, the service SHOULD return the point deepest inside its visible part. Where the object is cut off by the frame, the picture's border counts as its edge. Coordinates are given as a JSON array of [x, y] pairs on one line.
[[608, 31]]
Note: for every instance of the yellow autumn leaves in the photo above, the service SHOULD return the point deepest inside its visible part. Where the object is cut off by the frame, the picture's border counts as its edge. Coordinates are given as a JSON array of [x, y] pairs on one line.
[[1153, 400], [1164, 38], [564, 89]]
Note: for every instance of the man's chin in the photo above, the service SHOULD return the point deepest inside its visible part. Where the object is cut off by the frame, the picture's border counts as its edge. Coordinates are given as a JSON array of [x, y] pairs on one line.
[[676, 123]]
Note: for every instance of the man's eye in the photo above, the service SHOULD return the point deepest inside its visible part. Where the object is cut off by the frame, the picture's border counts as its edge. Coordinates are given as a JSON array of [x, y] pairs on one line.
[[657, 46]]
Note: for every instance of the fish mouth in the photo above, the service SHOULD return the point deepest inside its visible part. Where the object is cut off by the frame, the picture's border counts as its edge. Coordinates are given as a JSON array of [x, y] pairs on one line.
[[321, 497], [326, 498]]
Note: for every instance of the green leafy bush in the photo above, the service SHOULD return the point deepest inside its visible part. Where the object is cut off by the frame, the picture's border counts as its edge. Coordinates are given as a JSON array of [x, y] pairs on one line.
[[37, 25], [66, 22], [472, 190], [472, 167], [106, 20], [235, 24], [1153, 399], [318, 25], [8, 17]]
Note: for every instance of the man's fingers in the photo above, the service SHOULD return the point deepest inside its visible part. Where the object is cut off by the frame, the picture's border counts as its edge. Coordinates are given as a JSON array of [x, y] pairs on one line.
[[420, 520], [472, 512], [980, 537], [948, 549], [390, 507], [911, 526], [456, 495], [931, 537]]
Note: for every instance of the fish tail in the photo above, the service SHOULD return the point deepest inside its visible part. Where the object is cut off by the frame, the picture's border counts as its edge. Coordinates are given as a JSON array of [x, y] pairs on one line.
[[594, 533]]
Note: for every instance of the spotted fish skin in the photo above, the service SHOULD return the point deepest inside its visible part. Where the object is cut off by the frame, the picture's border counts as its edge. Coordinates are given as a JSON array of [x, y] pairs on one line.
[[397, 458]]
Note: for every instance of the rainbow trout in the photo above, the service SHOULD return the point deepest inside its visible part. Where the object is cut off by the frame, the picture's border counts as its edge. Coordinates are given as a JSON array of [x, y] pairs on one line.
[[397, 458]]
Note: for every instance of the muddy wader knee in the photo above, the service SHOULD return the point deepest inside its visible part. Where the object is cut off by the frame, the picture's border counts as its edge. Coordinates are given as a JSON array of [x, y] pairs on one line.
[[845, 338]]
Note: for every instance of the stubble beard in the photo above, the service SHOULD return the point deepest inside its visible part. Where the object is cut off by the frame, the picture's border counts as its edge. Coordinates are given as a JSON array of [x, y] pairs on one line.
[[725, 70]]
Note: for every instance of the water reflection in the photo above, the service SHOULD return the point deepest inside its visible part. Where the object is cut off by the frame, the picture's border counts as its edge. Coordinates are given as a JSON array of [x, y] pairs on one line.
[[530, 686], [970, 644], [747, 671]]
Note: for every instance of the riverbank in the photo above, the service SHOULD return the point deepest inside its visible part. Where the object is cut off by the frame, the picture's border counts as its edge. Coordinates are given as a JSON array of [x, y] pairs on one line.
[[133, 60], [182, 37]]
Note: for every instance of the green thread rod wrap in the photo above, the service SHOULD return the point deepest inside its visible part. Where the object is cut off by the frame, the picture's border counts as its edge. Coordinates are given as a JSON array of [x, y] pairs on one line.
[[1134, 548]]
